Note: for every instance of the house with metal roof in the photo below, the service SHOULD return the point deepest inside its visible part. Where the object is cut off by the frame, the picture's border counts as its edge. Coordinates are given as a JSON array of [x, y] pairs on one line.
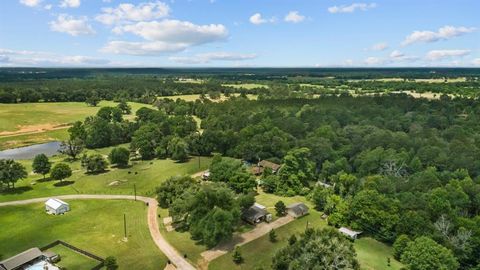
[[348, 232], [256, 214], [20, 260], [297, 210], [56, 206]]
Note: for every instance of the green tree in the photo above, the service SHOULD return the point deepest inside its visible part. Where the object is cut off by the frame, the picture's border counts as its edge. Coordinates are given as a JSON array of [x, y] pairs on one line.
[[110, 263], [280, 208], [400, 245], [94, 163], [61, 171], [292, 239], [72, 147], [11, 171], [297, 171], [425, 254], [178, 149], [119, 156], [237, 256], [173, 188], [319, 197], [317, 249], [272, 236], [124, 107], [77, 131], [145, 140], [93, 100], [41, 165]]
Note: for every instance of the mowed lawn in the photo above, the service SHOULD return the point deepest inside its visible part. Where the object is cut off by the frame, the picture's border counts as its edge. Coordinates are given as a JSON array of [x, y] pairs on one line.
[[145, 175], [94, 225], [371, 254], [71, 259], [30, 123]]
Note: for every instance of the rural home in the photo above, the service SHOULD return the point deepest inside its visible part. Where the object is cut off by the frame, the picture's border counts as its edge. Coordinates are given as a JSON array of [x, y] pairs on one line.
[[31, 259], [257, 170], [56, 207], [297, 210], [350, 233], [256, 214]]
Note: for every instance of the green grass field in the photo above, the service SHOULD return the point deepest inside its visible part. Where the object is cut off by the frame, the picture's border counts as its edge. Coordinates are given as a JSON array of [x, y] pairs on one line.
[[31, 123], [246, 85], [96, 226], [71, 259], [146, 175]]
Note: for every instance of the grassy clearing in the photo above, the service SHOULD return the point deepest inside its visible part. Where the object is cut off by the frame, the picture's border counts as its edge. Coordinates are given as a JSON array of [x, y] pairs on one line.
[[371, 254], [96, 226], [71, 259], [194, 97], [145, 175], [246, 85], [31, 123]]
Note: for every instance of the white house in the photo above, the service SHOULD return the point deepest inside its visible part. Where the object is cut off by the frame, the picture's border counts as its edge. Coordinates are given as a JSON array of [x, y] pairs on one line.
[[56, 206], [350, 233]]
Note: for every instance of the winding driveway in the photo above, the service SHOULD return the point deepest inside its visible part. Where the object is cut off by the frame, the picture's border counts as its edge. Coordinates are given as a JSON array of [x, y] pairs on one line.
[[169, 251]]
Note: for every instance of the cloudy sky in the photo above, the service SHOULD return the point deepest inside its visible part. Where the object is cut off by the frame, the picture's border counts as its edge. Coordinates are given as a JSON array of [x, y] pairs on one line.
[[238, 33]]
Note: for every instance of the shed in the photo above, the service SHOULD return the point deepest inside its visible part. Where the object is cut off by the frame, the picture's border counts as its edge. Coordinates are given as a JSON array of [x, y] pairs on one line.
[[297, 210], [21, 259], [348, 232], [56, 206], [267, 164], [255, 214]]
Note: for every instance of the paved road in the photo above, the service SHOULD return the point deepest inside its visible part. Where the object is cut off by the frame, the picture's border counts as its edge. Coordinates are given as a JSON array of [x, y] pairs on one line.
[[169, 251], [239, 240]]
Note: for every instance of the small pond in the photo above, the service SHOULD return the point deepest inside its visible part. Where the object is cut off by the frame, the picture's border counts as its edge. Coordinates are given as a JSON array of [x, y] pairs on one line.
[[29, 152]]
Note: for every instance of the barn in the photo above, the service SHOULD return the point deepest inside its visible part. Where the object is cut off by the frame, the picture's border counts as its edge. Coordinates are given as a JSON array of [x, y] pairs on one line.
[[56, 207]]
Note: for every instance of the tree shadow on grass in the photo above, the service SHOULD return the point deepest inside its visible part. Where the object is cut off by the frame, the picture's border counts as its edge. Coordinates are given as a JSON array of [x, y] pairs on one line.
[[17, 190], [97, 173], [43, 180], [63, 183]]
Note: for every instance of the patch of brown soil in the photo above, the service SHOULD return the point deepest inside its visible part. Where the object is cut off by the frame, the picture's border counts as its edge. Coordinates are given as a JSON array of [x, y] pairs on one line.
[[32, 129]]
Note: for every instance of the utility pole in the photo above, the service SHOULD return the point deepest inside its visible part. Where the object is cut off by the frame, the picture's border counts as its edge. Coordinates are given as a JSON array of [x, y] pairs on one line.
[[125, 225], [135, 191]]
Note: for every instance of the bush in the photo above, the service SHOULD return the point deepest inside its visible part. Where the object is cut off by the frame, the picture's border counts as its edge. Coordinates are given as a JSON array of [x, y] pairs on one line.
[[61, 171], [237, 256], [95, 163], [119, 156], [280, 208]]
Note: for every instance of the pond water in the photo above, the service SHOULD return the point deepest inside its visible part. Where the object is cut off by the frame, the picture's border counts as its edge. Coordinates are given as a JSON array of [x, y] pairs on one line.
[[29, 152]]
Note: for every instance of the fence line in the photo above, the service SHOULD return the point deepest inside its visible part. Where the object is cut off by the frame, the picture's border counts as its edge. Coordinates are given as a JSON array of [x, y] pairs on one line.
[[78, 250]]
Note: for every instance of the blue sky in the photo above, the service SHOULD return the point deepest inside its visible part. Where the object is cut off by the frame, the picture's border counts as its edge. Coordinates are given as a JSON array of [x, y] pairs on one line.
[[237, 33]]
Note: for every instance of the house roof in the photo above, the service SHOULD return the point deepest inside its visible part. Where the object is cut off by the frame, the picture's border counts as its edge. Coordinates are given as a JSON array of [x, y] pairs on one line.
[[259, 206], [268, 164], [349, 232], [55, 203], [20, 259], [298, 208], [253, 213]]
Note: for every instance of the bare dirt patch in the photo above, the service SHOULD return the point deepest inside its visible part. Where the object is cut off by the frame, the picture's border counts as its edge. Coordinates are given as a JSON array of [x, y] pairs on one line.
[[32, 129]]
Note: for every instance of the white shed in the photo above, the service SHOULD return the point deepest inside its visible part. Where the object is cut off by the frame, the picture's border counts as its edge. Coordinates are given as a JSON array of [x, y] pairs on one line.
[[350, 233], [56, 206]]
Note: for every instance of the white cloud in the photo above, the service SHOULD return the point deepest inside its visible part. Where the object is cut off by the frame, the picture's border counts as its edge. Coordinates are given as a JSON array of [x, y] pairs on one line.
[[174, 31], [36, 58], [351, 8], [142, 48], [30, 3], [133, 13], [444, 33], [396, 54], [294, 17], [47, 7], [70, 3], [436, 55], [258, 19], [71, 25], [379, 46], [213, 56], [373, 61], [476, 62]]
